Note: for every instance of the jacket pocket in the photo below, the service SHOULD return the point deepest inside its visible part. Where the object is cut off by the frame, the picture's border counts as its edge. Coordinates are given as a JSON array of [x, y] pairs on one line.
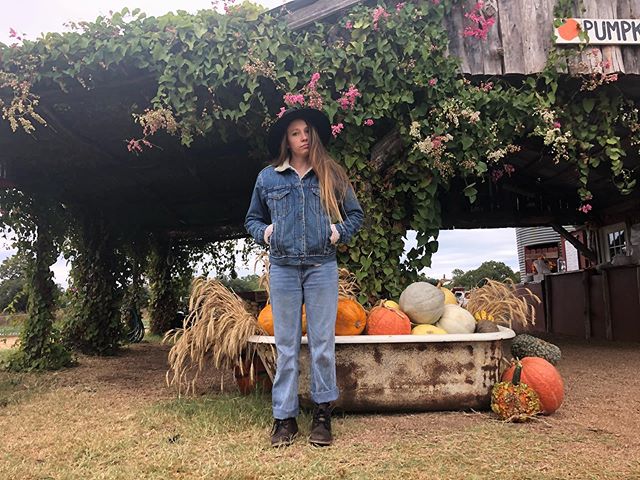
[[279, 202]]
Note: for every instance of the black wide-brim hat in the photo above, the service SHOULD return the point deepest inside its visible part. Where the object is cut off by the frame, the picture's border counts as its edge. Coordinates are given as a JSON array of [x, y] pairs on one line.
[[312, 116]]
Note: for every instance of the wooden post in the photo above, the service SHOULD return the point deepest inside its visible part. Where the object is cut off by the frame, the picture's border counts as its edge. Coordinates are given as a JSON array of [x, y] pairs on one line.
[[606, 297], [546, 288], [586, 284]]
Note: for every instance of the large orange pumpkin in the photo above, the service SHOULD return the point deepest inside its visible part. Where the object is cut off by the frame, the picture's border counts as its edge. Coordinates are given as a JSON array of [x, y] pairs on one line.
[[351, 318], [543, 378], [265, 320], [388, 321]]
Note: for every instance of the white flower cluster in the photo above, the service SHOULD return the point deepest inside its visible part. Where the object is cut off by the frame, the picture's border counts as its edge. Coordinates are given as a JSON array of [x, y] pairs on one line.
[[434, 145], [500, 153], [453, 111], [550, 131], [414, 131]]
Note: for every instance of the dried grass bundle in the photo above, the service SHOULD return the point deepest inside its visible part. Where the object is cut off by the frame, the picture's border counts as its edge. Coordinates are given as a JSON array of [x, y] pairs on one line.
[[216, 330], [503, 304], [348, 285]]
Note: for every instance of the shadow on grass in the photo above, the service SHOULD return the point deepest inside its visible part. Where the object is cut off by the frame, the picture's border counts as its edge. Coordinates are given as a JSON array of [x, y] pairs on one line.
[[226, 412], [16, 388]]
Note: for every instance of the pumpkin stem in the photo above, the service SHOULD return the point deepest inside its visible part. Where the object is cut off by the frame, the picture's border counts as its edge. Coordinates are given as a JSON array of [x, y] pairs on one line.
[[516, 374]]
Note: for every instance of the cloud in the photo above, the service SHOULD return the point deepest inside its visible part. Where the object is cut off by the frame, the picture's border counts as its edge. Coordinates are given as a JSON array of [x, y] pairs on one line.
[[468, 249], [37, 16]]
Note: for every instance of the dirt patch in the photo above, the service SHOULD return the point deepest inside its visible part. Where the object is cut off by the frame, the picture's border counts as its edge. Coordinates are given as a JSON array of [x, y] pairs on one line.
[[8, 342]]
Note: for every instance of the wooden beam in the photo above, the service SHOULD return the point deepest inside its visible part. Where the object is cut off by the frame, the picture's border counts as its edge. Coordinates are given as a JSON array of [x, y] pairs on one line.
[[316, 11], [581, 247]]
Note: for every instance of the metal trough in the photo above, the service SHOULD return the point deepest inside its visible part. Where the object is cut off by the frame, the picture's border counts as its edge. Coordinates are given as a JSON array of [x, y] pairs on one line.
[[410, 372]]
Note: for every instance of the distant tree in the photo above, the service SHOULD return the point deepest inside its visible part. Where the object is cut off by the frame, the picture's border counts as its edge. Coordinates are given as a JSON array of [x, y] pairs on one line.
[[13, 278], [250, 283], [492, 270], [423, 278], [457, 272]]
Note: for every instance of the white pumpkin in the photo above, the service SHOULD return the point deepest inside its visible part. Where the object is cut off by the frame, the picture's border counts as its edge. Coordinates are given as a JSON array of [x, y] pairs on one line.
[[456, 319], [422, 302]]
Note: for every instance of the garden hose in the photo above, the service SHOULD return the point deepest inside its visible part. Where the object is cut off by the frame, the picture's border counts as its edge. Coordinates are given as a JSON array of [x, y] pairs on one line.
[[136, 327]]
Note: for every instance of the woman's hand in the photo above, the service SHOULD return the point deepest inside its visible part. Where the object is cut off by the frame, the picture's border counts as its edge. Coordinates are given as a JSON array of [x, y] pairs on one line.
[[267, 234], [335, 235]]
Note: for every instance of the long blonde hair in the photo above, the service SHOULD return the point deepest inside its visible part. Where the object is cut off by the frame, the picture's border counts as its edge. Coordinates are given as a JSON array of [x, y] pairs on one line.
[[332, 177]]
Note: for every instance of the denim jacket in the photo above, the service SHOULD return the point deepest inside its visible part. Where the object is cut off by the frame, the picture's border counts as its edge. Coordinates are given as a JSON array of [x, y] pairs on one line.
[[301, 227]]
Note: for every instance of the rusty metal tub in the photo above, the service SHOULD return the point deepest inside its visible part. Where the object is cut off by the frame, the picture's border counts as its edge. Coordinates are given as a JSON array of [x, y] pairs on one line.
[[410, 372]]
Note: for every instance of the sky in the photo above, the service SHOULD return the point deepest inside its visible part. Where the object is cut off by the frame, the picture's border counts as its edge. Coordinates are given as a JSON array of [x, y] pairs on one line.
[[463, 249]]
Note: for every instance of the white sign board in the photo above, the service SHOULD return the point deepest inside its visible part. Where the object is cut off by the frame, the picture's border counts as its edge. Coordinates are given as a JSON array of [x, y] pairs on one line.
[[573, 262], [597, 31]]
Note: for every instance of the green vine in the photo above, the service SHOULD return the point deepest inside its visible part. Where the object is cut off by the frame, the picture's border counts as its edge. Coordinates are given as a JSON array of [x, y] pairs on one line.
[[36, 222], [94, 326], [170, 274]]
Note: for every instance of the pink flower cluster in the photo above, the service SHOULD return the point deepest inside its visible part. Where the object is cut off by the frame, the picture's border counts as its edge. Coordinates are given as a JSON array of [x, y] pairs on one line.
[[314, 100], [336, 129], [348, 98], [135, 146], [433, 82], [309, 96], [437, 141], [292, 99], [585, 208], [486, 87], [368, 122], [379, 13], [314, 81], [557, 124], [481, 25], [348, 25], [498, 173], [400, 6], [14, 34]]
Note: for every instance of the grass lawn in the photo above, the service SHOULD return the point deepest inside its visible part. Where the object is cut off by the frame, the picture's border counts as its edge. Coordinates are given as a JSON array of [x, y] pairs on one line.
[[9, 330], [114, 418]]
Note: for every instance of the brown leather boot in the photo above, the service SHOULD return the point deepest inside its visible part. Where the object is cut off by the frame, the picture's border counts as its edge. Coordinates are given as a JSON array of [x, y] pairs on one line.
[[321, 426], [283, 432]]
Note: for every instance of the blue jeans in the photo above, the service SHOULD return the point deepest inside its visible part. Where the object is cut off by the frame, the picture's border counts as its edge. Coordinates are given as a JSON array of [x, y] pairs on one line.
[[317, 287]]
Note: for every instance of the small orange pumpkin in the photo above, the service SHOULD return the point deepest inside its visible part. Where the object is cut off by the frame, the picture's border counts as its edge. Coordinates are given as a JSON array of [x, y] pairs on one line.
[[248, 383], [388, 321], [544, 379], [265, 320], [351, 318]]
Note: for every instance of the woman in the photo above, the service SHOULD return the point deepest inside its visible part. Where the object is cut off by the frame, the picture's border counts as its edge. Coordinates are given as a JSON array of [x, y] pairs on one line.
[[302, 206]]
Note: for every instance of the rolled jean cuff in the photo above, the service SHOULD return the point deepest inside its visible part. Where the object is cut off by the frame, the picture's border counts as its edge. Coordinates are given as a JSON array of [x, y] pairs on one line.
[[328, 396], [281, 414]]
